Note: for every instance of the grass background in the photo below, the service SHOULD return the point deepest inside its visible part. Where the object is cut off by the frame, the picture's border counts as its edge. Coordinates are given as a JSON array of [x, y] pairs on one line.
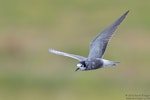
[[29, 27]]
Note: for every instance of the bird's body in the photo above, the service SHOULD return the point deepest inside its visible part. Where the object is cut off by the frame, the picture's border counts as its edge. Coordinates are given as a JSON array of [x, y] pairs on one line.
[[95, 64], [97, 48]]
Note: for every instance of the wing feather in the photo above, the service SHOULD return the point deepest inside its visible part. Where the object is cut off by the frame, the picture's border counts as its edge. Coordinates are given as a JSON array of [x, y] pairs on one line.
[[77, 57], [99, 44]]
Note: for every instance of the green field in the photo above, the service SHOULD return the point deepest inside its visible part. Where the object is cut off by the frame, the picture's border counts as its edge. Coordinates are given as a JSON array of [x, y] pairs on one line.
[[29, 28]]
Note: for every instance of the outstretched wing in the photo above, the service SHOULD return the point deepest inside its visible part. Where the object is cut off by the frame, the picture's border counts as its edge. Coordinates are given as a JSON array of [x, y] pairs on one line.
[[79, 58], [99, 44]]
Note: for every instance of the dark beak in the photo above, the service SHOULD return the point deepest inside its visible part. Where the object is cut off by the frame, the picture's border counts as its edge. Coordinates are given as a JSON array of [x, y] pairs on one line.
[[77, 69]]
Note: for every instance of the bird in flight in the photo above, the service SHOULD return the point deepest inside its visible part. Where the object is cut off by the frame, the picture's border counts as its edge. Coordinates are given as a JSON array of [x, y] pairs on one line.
[[97, 49]]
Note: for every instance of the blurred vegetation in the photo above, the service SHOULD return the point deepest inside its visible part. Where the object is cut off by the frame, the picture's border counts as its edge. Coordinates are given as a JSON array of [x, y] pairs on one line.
[[29, 27]]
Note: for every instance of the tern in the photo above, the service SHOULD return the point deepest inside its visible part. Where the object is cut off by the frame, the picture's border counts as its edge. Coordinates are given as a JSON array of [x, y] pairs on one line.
[[97, 49]]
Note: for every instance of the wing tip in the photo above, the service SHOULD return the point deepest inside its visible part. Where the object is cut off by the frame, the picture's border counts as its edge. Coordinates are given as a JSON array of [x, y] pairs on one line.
[[50, 50], [126, 12], [119, 20]]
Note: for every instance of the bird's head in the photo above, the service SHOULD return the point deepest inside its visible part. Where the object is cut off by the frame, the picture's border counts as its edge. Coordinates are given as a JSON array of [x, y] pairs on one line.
[[81, 66]]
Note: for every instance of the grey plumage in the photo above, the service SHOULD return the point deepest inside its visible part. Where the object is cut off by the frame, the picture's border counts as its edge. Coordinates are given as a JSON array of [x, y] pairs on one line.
[[99, 44], [97, 49]]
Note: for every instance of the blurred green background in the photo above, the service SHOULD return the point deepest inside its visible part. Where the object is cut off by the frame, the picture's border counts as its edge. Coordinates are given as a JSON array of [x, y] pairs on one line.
[[29, 27]]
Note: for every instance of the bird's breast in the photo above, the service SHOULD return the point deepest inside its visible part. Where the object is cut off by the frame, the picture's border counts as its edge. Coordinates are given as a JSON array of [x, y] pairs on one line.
[[94, 64]]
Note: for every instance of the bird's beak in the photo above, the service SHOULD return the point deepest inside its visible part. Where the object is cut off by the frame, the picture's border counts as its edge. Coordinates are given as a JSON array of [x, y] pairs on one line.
[[77, 69]]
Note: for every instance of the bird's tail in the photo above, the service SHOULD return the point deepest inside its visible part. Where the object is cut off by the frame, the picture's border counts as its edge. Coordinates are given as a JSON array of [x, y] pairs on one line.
[[115, 63], [109, 63]]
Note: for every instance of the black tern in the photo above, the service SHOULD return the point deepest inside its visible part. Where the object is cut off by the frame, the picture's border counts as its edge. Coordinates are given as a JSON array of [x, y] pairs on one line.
[[97, 49]]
